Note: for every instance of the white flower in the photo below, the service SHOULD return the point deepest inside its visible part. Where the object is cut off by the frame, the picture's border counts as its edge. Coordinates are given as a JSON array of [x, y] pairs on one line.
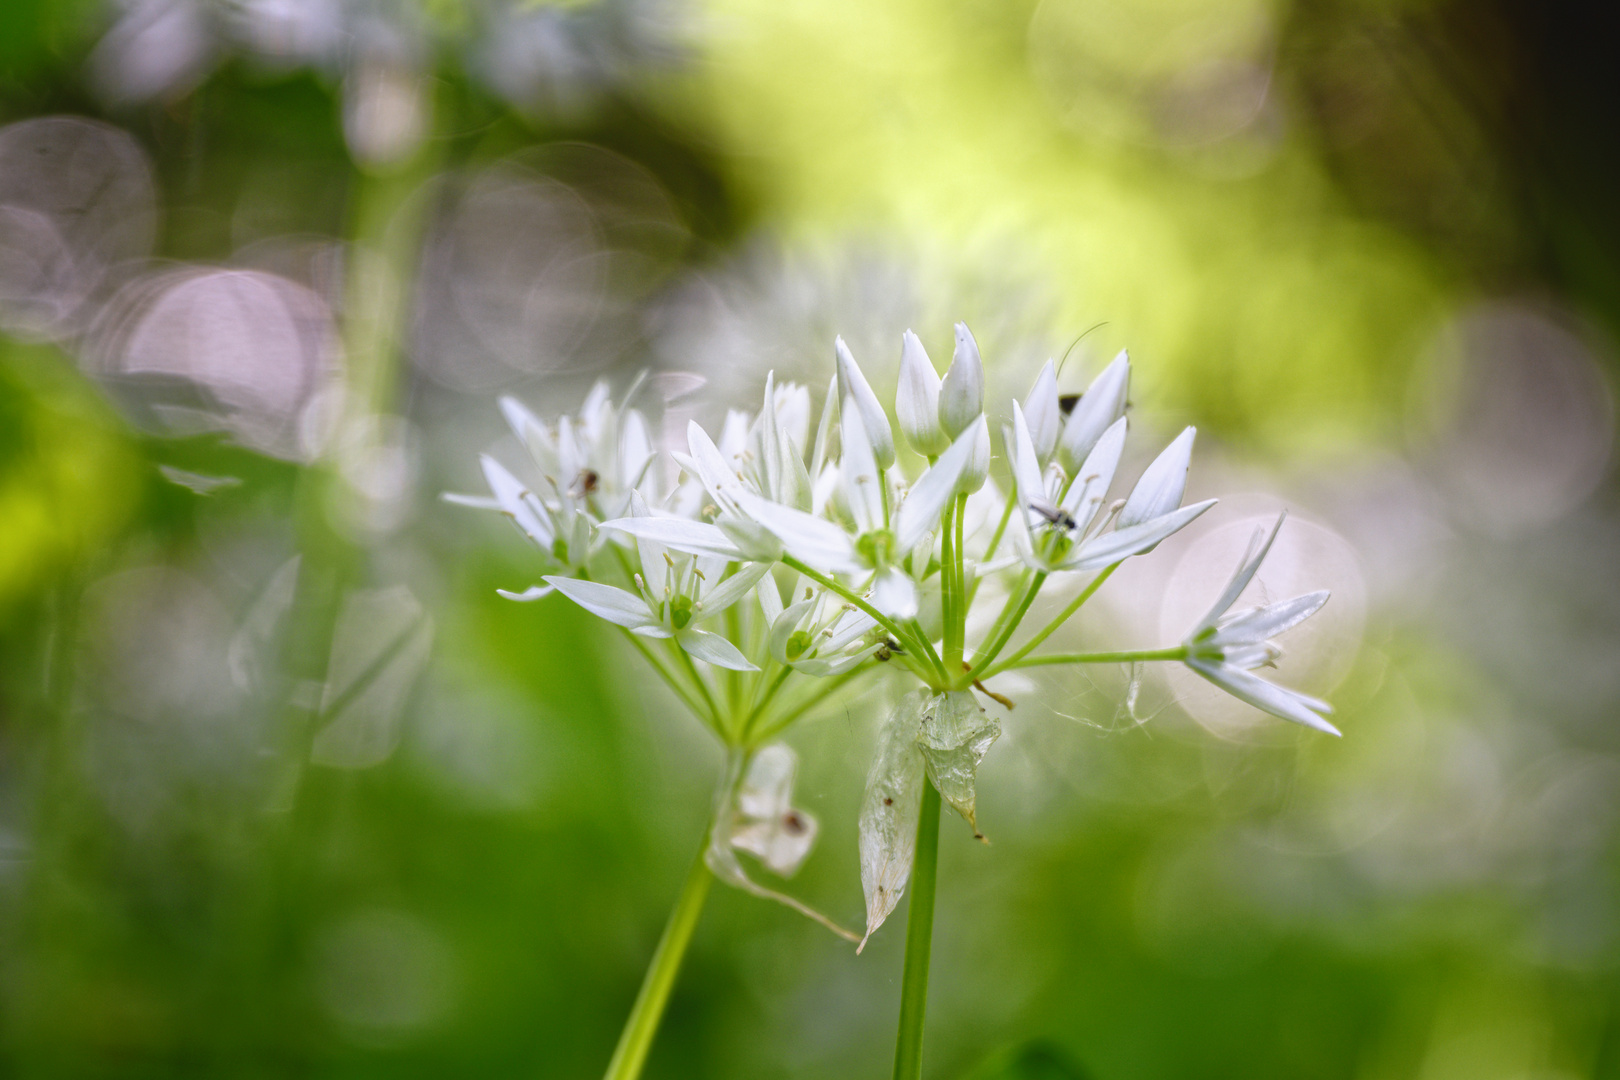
[[1098, 408], [1225, 648], [589, 467], [852, 385], [977, 469], [1056, 511], [961, 394], [672, 596], [916, 401], [819, 635], [766, 823], [1043, 409], [826, 546]]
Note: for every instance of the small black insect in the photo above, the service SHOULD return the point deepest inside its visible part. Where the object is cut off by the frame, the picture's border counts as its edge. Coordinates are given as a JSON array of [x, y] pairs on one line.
[[584, 484], [887, 648], [1067, 402], [1055, 516]]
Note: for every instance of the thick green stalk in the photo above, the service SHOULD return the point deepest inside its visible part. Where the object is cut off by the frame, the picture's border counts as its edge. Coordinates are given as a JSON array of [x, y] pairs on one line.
[[919, 940], [642, 1024], [1047, 630]]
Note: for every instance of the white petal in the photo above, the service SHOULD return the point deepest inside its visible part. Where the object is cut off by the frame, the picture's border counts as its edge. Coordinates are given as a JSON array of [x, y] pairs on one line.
[[614, 605], [814, 540], [1267, 622], [477, 502], [655, 564], [713, 469], [713, 649], [1042, 412], [977, 469], [635, 449], [692, 537], [1259, 545], [826, 446], [1026, 465], [531, 432], [1090, 487], [767, 788], [1101, 404], [916, 401], [1274, 699], [853, 385], [783, 626], [919, 513], [732, 589], [895, 594], [770, 598], [1112, 547], [889, 812], [1162, 485], [533, 592], [863, 479], [509, 492], [961, 394]]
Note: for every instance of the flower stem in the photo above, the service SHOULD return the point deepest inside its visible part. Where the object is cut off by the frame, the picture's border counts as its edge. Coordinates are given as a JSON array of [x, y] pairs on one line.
[[947, 590], [919, 940], [1011, 616], [1177, 653], [1046, 631], [642, 1024]]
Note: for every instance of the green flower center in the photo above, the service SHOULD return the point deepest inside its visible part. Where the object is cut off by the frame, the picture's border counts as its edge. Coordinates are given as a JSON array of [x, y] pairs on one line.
[[876, 548], [798, 644]]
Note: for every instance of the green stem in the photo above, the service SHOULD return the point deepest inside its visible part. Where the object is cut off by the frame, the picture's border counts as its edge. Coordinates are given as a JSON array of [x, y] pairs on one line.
[[919, 940], [764, 700], [1177, 653], [1001, 527], [949, 604], [1047, 630], [999, 641], [642, 1024], [688, 699], [826, 689], [698, 679]]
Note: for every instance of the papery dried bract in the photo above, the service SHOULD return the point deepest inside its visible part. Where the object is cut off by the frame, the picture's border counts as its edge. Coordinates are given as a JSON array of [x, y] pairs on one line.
[[750, 815], [768, 826], [890, 810], [954, 737]]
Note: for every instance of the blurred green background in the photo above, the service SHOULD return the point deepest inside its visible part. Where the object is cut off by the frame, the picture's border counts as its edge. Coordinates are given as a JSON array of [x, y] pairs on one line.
[[286, 790]]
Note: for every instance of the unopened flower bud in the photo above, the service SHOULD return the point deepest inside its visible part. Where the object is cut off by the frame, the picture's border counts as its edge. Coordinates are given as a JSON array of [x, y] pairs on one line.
[[916, 402], [961, 395]]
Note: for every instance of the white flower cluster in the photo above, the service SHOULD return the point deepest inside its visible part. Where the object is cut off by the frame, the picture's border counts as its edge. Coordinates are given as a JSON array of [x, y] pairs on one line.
[[790, 565]]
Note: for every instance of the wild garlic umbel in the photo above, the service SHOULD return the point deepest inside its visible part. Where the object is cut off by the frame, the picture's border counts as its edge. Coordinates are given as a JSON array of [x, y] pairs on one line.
[[795, 555]]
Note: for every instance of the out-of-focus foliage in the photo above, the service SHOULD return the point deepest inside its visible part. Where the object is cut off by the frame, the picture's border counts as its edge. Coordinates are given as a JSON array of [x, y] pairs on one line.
[[285, 789]]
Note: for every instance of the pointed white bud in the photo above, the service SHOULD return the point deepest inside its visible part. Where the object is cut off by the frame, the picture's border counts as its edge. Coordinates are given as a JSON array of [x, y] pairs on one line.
[[977, 469], [961, 395], [855, 388], [1042, 413], [916, 402], [1162, 484], [1101, 404]]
